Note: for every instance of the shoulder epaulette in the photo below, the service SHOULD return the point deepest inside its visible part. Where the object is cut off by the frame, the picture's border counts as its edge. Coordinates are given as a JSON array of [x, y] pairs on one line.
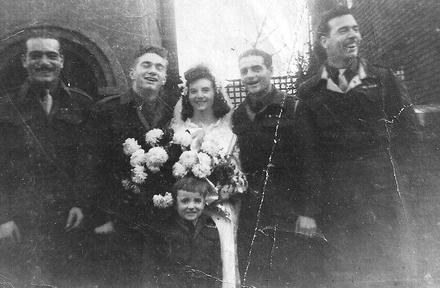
[[80, 92], [108, 99]]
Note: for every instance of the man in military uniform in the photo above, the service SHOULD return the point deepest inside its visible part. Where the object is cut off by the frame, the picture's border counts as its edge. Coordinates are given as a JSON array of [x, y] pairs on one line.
[[41, 123], [363, 129], [130, 115], [282, 202]]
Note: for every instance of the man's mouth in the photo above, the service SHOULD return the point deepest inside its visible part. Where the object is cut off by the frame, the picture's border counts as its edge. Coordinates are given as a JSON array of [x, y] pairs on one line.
[[253, 83], [151, 79], [44, 70], [351, 46]]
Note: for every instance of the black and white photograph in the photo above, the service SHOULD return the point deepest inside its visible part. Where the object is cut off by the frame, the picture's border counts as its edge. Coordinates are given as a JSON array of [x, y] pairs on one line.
[[220, 144]]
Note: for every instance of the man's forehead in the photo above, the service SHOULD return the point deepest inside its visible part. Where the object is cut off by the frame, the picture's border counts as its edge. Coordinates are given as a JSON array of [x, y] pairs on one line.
[[341, 21], [153, 58], [251, 60], [42, 44]]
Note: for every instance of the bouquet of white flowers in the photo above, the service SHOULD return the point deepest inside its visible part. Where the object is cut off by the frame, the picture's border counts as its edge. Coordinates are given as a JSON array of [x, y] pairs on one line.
[[174, 154]]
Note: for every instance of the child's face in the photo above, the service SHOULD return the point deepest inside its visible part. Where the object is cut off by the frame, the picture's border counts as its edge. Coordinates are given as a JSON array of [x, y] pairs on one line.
[[189, 205]]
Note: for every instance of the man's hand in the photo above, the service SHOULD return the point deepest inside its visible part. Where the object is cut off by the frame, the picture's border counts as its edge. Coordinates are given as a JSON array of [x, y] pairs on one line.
[[105, 228], [305, 226], [74, 219], [9, 230]]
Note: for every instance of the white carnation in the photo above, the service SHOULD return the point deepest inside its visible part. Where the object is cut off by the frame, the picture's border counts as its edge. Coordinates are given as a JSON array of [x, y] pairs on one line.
[[179, 170], [201, 171], [153, 136], [163, 201], [138, 174], [204, 159], [137, 157], [211, 146], [130, 146], [188, 158], [155, 158], [182, 138]]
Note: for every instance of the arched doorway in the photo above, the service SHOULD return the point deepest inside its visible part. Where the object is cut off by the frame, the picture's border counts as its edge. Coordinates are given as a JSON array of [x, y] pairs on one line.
[[88, 61]]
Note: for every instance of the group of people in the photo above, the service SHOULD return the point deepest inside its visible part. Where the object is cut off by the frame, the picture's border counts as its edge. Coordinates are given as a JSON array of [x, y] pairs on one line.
[[322, 206]]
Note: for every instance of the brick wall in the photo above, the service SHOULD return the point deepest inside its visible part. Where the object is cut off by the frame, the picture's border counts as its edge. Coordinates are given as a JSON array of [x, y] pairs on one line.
[[403, 35]]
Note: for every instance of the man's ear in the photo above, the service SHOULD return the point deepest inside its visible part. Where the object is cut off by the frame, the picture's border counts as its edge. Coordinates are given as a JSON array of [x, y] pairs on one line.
[[131, 74], [23, 60], [62, 61], [271, 70], [323, 40]]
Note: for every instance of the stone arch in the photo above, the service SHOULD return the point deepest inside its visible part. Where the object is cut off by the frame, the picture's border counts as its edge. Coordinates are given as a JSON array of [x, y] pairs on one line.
[[90, 63]]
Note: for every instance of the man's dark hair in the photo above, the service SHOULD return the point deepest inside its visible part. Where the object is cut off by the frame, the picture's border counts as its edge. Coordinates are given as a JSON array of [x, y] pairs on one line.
[[40, 33], [219, 107], [267, 58], [324, 29], [162, 52], [338, 11]]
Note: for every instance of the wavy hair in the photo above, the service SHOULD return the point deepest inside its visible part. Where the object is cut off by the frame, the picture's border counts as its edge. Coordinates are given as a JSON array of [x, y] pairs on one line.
[[219, 107]]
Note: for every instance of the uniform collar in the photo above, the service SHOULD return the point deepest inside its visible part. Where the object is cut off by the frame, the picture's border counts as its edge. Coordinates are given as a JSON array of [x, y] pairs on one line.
[[365, 71], [26, 89], [274, 97], [356, 81]]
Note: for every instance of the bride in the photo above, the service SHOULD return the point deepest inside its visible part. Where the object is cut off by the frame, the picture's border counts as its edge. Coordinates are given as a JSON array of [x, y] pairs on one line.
[[204, 112]]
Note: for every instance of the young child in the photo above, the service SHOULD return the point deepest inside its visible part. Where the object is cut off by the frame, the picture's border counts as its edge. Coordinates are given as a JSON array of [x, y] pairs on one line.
[[188, 251]]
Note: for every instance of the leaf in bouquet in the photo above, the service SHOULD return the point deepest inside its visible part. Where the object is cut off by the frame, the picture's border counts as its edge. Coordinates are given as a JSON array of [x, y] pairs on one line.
[[218, 211], [174, 152], [167, 137]]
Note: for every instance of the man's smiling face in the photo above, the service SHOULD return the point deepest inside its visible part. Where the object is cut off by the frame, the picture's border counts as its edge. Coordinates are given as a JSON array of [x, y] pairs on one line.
[[343, 39], [149, 73], [254, 74], [43, 60]]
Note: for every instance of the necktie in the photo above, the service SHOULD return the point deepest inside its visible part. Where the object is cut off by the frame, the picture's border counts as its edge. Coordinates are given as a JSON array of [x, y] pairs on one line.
[[47, 101], [342, 81]]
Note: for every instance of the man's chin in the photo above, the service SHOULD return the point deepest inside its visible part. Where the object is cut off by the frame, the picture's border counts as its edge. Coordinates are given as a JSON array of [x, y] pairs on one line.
[[43, 81]]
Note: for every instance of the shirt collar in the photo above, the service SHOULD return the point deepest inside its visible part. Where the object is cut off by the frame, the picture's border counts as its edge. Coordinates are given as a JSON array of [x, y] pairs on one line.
[[273, 97], [356, 81], [26, 90]]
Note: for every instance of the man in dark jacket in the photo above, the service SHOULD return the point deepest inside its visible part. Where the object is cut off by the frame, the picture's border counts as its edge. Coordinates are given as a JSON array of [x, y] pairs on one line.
[[363, 129], [130, 115], [280, 204], [41, 123]]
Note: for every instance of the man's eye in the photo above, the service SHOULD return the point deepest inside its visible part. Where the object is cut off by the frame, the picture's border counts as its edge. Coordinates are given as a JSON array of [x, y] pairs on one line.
[[53, 56], [192, 91], [198, 200], [206, 90], [243, 71], [146, 65], [184, 200], [256, 69], [35, 55], [160, 67]]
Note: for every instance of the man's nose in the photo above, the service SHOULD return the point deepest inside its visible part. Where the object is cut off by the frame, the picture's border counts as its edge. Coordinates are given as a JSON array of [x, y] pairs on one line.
[[354, 34], [152, 70], [44, 60], [191, 205], [250, 75]]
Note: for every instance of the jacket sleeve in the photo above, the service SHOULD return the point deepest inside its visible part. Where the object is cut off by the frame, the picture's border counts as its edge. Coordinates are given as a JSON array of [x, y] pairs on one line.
[[402, 125], [310, 176]]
